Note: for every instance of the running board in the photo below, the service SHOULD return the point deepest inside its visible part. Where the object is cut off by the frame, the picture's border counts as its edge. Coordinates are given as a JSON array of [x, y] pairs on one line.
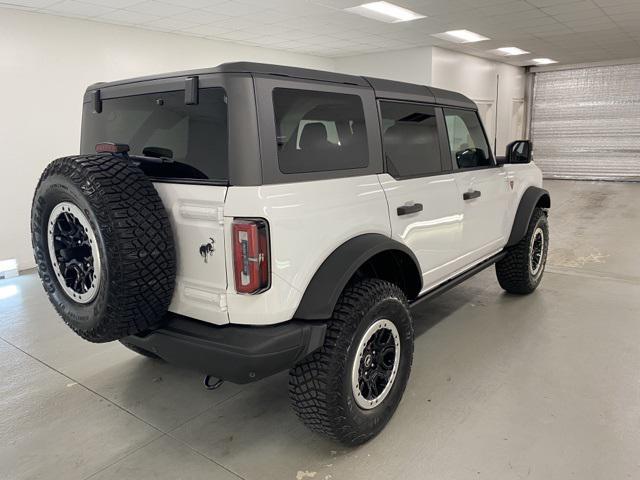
[[452, 282]]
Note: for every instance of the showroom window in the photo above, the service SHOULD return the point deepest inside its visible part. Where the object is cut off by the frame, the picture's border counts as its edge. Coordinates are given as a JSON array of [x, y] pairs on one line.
[[192, 138], [410, 139], [467, 141], [319, 131]]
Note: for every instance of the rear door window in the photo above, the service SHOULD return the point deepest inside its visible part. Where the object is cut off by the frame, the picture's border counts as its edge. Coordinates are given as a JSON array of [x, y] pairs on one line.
[[410, 139], [171, 139], [319, 131], [467, 141]]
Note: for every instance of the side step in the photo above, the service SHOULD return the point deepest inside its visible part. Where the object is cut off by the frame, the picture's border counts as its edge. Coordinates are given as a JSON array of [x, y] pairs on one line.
[[452, 282]]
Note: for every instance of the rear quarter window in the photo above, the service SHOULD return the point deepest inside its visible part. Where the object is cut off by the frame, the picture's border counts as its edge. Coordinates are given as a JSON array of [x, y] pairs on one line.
[[319, 131]]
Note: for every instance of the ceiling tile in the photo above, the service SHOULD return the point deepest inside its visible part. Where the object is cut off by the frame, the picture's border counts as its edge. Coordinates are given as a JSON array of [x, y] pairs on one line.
[[200, 17], [77, 9], [234, 9], [206, 30], [126, 18], [28, 4], [194, 3], [238, 35], [170, 24], [113, 3], [566, 30], [622, 9], [154, 7]]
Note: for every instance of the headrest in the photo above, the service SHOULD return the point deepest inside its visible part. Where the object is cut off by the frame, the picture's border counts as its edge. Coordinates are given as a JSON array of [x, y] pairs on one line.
[[404, 134], [314, 135]]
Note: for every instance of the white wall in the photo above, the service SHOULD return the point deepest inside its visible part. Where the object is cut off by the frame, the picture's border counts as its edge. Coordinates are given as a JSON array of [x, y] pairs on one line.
[[46, 63], [477, 78], [412, 65]]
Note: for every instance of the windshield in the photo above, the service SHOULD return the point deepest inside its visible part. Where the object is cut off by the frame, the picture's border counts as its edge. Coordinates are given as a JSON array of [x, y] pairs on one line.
[[191, 139]]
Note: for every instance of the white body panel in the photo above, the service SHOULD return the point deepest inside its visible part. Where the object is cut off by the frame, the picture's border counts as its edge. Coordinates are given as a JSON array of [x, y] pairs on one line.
[[520, 177], [196, 216], [485, 217], [307, 222], [434, 235]]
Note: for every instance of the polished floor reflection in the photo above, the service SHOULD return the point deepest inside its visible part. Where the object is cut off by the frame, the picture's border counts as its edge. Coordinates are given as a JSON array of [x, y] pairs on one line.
[[543, 387]]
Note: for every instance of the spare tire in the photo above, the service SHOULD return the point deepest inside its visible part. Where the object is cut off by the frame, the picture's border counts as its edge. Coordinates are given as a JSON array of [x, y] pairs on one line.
[[103, 246]]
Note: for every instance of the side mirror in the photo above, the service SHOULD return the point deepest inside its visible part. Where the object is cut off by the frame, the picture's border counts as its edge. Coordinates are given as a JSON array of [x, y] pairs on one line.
[[518, 152]]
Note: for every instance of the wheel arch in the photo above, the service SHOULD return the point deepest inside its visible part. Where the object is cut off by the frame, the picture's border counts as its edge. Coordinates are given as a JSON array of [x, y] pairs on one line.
[[370, 254], [532, 198]]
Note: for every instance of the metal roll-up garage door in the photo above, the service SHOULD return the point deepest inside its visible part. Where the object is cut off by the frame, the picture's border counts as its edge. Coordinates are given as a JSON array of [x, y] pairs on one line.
[[585, 123]]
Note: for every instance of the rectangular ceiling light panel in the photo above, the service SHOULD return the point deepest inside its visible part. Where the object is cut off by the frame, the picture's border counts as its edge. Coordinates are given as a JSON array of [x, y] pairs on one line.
[[461, 36], [385, 12], [511, 51]]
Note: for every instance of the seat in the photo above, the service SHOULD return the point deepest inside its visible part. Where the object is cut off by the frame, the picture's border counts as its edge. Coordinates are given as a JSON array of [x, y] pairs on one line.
[[404, 142], [314, 137]]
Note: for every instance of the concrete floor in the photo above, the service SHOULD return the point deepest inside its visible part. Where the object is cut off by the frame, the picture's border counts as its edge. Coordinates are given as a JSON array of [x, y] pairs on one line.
[[544, 387]]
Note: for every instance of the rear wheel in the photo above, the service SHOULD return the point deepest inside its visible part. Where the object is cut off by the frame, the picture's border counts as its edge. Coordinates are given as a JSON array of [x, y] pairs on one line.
[[350, 388], [520, 271]]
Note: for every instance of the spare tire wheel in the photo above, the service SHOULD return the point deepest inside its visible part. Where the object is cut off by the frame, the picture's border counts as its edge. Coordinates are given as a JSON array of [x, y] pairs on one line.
[[103, 246]]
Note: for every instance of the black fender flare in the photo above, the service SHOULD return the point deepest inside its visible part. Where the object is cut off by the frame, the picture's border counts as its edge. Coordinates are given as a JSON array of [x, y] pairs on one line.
[[532, 197], [332, 276]]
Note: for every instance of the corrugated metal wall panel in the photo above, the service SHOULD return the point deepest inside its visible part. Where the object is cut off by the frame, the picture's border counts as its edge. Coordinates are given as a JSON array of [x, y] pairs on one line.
[[586, 123]]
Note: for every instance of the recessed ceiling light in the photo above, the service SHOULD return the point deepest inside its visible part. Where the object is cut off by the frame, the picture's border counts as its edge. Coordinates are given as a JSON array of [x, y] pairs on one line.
[[510, 51], [544, 61], [385, 12], [461, 36]]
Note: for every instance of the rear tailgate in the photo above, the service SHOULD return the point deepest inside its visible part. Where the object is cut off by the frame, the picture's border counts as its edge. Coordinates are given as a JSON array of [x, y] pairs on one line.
[[196, 215], [183, 147]]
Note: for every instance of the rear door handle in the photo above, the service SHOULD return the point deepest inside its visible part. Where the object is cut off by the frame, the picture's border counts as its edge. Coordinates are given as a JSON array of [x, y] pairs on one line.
[[471, 194], [407, 209]]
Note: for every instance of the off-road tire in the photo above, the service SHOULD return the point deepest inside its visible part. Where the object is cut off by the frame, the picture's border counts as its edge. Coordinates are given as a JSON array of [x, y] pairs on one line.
[[513, 271], [140, 351], [134, 242], [320, 387]]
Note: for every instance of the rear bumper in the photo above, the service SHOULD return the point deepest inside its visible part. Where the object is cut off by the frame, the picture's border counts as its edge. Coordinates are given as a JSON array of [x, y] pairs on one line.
[[237, 353]]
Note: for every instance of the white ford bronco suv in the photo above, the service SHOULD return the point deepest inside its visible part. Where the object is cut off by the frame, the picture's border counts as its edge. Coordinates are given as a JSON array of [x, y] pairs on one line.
[[248, 219]]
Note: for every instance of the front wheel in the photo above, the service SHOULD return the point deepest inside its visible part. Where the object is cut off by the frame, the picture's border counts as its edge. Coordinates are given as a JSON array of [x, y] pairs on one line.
[[520, 271], [350, 388]]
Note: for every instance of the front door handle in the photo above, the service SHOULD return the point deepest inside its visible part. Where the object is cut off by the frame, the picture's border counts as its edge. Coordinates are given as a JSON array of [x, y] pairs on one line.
[[471, 194], [407, 209]]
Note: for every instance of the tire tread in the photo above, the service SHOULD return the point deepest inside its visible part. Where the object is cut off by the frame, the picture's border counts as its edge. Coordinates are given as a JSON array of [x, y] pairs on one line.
[[513, 270], [137, 235], [315, 389]]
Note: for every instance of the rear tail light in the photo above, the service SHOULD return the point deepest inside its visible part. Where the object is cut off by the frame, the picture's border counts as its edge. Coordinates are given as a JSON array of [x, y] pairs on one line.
[[251, 263]]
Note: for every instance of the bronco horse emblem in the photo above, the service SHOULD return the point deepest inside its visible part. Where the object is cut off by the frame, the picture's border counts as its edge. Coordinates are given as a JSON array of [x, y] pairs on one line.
[[207, 249]]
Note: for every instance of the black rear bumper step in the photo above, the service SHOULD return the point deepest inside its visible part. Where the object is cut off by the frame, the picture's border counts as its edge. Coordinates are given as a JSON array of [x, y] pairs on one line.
[[237, 353], [246, 353]]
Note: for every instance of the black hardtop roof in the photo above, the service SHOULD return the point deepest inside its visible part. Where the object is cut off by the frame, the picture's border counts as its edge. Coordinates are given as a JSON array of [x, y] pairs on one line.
[[384, 88]]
